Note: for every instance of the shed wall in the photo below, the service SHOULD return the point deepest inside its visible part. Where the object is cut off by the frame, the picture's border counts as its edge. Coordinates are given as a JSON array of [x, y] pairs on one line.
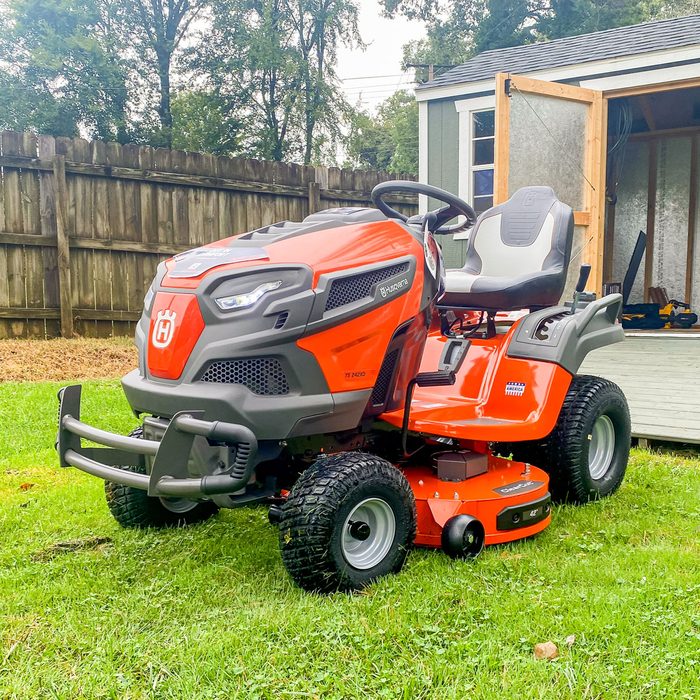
[[443, 166]]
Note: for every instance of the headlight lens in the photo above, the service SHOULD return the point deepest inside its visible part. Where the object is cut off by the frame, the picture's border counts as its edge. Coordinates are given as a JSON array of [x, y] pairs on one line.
[[241, 301]]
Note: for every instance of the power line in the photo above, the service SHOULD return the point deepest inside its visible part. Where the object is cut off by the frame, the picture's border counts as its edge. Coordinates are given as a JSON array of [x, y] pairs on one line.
[[369, 77]]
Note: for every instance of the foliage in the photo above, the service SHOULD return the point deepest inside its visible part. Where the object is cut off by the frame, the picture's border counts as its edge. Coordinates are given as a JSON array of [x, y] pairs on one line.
[[58, 75], [209, 612], [254, 77], [389, 140], [205, 122], [459, 29], [275, 59], [152, 32]]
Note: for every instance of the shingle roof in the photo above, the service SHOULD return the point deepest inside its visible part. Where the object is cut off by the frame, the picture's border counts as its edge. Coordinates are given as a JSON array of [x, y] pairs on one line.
[[611, 43]]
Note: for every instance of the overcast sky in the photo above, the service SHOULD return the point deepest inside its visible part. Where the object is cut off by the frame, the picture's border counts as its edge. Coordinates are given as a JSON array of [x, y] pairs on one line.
[[375, 73]]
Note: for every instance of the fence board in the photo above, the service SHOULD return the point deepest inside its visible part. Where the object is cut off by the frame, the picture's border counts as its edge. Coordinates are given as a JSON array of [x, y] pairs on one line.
[[126, 208]]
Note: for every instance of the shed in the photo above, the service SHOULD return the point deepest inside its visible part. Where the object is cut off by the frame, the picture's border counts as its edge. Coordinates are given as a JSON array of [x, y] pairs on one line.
[[611, 121]]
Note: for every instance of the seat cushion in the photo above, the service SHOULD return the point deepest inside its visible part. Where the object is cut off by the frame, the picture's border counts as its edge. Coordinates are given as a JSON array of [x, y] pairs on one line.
[[465, 289]]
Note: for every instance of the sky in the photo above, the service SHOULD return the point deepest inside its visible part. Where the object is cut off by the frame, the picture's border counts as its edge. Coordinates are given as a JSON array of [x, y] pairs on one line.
[[374, 74]]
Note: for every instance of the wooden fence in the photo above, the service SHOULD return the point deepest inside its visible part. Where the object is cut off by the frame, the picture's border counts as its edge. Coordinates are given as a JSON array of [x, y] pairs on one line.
[[83, 225]]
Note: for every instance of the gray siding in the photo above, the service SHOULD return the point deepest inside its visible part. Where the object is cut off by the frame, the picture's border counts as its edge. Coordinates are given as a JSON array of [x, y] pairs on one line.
[[443, 165]]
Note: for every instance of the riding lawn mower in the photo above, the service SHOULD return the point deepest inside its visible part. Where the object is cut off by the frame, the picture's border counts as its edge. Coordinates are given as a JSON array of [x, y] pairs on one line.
[[334, 371]]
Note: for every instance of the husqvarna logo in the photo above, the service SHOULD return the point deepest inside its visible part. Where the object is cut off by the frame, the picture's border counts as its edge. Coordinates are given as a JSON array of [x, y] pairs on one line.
[[163, 328]]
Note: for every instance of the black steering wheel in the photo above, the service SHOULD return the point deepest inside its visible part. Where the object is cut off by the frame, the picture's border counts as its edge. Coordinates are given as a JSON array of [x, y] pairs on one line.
[[455, 206]]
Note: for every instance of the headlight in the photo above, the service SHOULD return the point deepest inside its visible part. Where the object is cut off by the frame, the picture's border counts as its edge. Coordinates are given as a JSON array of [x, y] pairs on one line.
[[241, 301]]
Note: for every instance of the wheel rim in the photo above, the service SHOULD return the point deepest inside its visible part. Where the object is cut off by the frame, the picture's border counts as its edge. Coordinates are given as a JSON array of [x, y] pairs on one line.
[[368, 533], [602, 447], [178, 505]]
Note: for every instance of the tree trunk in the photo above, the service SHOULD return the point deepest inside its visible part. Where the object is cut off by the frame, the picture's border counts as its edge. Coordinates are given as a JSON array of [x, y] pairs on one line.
[[164, 109]]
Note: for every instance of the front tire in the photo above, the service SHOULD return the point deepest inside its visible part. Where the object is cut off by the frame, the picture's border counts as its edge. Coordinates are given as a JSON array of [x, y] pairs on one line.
[[134, 508], [349, 519]]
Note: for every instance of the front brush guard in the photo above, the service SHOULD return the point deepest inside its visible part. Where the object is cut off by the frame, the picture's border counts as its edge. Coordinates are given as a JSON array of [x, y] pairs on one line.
[[168, 476]]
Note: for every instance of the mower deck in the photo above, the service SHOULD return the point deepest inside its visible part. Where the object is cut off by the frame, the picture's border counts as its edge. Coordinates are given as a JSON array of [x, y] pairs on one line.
[[511, 500]]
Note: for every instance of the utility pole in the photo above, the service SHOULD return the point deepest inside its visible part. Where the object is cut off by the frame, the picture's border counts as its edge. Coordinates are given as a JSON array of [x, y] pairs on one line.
[[431, 67]]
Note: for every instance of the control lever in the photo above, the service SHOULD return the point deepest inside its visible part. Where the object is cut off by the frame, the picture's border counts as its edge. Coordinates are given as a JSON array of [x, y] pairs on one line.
[[583, 275], [453, 355]]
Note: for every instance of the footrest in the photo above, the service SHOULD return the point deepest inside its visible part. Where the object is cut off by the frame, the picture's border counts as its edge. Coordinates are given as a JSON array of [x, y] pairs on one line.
[[439, 378]]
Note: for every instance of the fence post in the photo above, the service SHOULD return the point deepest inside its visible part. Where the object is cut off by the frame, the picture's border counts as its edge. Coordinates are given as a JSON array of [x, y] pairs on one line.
[[314, 197], [62, 246]]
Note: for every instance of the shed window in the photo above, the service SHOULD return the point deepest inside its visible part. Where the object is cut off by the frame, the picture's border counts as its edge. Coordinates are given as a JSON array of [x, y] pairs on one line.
[[481, 160]]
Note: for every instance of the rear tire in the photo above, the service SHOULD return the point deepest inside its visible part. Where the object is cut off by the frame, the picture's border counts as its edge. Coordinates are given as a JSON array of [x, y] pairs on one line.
[[586, 454], [134, 508], [349, 519]]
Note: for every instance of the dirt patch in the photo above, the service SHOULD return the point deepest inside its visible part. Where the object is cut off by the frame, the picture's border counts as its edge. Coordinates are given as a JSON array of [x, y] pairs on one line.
[[61, 360], [87, 543]]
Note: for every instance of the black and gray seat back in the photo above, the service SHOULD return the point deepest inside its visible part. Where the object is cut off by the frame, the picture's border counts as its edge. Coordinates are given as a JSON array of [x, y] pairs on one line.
[[517, 256]]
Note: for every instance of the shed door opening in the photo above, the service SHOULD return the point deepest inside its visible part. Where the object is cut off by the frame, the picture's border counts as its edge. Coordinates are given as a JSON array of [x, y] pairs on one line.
[[652, 186]]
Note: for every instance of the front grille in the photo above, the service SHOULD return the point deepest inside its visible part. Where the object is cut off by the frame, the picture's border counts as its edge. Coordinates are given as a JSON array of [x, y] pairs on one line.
[[349, 289], [262, 375], [382, 385]]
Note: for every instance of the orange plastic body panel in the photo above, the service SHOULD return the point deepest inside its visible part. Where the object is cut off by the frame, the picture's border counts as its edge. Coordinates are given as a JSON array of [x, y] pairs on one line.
[[324, 251], [437, 501], [351, 353], [176, 324], [495, 398]]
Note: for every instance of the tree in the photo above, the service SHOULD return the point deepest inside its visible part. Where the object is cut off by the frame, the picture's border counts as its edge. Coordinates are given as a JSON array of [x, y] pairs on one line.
[[204, 122], [459, 29], [274, 59], [389, 140], [157, 28], [58, 77]]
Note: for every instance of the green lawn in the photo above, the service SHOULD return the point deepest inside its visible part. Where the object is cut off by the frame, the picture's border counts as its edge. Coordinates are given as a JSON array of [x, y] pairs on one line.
[[209, 612]]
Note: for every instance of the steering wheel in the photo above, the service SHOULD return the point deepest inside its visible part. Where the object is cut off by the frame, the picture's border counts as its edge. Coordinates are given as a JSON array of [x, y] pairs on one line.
[[455, 205]]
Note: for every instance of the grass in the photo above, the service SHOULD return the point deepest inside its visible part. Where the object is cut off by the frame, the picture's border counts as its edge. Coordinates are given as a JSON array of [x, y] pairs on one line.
[[209, 612]]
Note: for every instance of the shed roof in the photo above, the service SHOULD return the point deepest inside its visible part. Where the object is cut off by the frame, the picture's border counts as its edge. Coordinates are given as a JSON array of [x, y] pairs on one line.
[[610, 43]]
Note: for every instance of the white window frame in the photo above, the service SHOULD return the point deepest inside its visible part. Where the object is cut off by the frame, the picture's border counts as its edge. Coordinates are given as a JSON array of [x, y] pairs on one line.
[[466, 110]]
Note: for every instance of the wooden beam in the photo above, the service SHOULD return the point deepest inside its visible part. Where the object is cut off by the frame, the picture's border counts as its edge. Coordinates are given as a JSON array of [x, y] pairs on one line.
[[84, 314], [651, 218], [665, 133], [84, 243], [582, 218], [597, 175], [62, 246], [314, 197], [651, 89], [185, 180], [501, 145], [609, 247], [128, 246], [692, 219], [647, 112], [544, 87]]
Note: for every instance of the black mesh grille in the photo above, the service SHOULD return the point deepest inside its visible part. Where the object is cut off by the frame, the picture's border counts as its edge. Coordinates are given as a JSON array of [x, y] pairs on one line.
[[381, 386], [349, 289], [262, 375]]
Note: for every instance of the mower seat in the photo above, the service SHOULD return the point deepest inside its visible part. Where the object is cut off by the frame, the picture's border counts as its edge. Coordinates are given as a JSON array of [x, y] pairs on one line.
[[517, 256]]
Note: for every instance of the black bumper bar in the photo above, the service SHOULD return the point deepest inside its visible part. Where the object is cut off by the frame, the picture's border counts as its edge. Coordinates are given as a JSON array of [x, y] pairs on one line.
[[169, 475]]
